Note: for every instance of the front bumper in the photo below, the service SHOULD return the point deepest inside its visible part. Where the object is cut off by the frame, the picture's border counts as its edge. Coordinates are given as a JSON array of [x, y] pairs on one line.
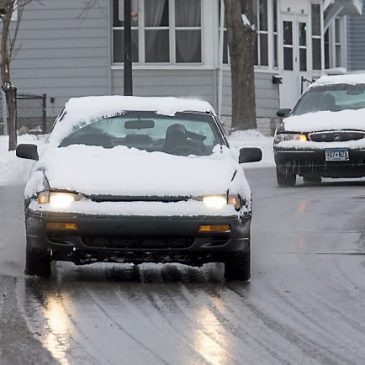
[[312, 162], [136, 239]]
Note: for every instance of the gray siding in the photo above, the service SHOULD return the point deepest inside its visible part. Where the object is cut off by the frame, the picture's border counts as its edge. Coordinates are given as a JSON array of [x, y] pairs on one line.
[[63, 50], [267, 95], [201, 84], [190, 83], [355, 42]]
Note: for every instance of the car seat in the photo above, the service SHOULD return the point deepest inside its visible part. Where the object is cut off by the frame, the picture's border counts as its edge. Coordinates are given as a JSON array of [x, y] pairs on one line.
[[328, 102], [176, 137]]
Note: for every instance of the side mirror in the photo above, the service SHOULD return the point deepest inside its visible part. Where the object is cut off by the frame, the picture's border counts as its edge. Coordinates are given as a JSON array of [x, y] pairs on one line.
[[250, 154], [283, 113], [28, 151]]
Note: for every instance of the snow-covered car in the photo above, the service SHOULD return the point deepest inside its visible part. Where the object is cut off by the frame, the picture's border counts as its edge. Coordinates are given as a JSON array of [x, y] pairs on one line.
[[130, 179], [324, 135]]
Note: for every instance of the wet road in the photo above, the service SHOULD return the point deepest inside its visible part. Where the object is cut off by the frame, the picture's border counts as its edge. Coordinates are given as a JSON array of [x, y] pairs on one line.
[[305, 303]]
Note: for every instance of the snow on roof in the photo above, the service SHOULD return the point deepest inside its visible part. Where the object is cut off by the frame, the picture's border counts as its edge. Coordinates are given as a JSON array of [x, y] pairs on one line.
[[351, 79], [85, 110]]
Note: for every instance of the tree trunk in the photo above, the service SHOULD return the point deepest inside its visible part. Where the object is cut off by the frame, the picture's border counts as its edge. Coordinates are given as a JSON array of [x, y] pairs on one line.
[[241, 38], [9, 89], [12, 118]]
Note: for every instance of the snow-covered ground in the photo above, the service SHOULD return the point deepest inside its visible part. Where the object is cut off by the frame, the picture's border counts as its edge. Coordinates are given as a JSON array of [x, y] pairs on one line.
[[253, 138], [13, 169]]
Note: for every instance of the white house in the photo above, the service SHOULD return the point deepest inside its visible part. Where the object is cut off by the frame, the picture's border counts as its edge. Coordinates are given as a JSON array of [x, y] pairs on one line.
[[67, 49]]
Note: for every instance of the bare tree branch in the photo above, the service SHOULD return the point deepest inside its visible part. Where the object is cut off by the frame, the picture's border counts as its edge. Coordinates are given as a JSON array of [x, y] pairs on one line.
[[89, 4]]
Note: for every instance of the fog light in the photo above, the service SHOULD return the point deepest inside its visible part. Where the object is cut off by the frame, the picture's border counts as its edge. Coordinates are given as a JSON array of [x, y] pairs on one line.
[[214, 228], [60, 226]]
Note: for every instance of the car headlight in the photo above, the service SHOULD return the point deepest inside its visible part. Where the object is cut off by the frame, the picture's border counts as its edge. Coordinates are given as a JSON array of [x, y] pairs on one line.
[[58, 200], [290, 137], [215, 202], [218, 202]]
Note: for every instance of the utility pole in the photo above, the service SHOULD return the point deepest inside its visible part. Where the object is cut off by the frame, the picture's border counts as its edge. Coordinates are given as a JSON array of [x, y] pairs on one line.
[[128, 85]]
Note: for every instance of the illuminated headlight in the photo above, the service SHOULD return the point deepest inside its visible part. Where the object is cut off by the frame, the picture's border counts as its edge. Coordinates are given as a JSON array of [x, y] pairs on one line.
[[218, 202], [281, 137], [58, 200], [215, 202]]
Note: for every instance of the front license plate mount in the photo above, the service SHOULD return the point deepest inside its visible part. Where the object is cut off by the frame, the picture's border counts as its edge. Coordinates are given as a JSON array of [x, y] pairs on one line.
[[337, 154]]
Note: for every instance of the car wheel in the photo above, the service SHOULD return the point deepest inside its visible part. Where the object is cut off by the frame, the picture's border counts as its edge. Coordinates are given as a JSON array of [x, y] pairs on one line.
[[285, 177], [312, 179], [38, 263], [238, 267]]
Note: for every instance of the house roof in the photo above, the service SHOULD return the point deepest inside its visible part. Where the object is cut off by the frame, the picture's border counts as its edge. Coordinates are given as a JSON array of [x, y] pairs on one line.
[[344, 7]]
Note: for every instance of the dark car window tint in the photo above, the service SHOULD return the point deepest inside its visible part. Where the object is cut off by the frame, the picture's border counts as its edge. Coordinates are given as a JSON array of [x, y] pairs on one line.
[[331, 97], [182, 134]]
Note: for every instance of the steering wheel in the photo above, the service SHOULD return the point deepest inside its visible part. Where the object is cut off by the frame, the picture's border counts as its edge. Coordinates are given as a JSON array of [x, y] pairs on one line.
[[185, 151]]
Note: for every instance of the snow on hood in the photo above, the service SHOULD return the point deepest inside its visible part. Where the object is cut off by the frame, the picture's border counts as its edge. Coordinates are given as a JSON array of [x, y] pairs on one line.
[[131, 172], [326, 120], [79, 112]]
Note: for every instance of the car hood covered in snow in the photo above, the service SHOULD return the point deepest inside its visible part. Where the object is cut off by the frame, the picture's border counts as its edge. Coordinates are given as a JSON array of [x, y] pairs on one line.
[[130, 172], [326, 120]]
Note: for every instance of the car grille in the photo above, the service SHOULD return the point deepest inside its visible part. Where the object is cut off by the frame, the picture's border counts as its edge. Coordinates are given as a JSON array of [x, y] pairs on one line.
[[163, 199], [135, 242], [336, 136]]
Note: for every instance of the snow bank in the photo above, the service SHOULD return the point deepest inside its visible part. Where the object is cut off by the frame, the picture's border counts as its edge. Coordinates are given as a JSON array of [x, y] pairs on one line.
[[253, 138], [12, 168]]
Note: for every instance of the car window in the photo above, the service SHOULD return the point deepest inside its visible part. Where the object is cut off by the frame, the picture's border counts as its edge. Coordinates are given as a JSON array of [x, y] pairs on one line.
[[182, 134], [332, 98]]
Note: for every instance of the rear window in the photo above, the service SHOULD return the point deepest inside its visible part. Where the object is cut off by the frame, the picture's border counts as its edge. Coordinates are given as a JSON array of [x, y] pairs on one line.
[[181, 134]]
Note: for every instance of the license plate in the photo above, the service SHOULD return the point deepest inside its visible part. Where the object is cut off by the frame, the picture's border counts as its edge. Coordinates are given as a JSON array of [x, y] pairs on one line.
[[337, 154]]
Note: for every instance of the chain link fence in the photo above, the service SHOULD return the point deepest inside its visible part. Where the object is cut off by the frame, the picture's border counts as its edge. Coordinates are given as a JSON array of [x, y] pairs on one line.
[[31, 113]]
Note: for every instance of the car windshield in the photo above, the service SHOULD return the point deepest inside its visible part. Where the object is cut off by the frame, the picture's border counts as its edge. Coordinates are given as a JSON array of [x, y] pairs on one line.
[[332, 98], [182, 134]]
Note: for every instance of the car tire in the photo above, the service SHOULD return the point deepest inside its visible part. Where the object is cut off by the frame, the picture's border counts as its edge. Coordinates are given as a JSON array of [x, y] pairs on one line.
[[37, 263], [312, 180], [285, 177], [238, 267]]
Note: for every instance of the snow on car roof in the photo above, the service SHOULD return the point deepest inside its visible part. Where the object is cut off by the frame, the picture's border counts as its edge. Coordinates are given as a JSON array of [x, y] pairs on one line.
[[351, 79], [112, 103], [85, 110]]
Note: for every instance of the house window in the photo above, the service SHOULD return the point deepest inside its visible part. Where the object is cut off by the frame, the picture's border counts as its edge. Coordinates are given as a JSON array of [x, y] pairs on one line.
[[332, 45], [275, 32], [288, 45], [225, 55], [118, 33], [157, 31], [262, 44], [338, 58], [163, 31], [316, 37], [327, 51], [188, 31]]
